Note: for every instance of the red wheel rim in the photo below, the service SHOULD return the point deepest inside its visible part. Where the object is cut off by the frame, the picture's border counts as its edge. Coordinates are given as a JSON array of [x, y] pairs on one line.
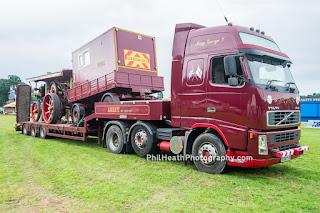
[[34, 111], [75, 114], [48, 108]]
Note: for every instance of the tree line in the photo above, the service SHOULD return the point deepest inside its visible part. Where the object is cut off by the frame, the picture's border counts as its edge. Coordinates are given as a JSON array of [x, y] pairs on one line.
[[314, 95], [5, 84]]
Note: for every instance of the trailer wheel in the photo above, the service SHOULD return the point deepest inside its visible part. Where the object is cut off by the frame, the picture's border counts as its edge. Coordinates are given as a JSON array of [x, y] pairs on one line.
[[42, 132], [51, 108], [25, 129], [209, 154], [115, 140], [33, 131], [36, 111], [141, 141], [77, 112]]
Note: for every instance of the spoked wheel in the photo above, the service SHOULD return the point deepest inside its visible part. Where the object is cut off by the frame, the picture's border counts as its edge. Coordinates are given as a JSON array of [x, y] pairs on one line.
[[36, 111], [51, 108], [115, 140], [33, 131], [77, 112], [142, 141], [209, 154], [53, 88]]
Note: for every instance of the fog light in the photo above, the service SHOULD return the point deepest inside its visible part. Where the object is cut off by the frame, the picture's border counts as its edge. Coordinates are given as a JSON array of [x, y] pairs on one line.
[[263, 145]]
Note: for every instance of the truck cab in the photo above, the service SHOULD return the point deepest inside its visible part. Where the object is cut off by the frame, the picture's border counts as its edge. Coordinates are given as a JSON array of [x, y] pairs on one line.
[[236, 82]]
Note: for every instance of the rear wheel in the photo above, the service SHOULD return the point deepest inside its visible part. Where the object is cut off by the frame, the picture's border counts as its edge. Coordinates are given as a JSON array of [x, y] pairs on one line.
[[42, 132], [25, 129], [51, 108], [77, 112], [209, 154], [142, 141], [108, 97], [115, 140], [33, 131], [36, 111]]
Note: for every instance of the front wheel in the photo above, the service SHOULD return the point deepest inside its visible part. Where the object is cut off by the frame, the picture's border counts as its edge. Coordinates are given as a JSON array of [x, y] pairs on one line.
[[36, 111], [209, 154]]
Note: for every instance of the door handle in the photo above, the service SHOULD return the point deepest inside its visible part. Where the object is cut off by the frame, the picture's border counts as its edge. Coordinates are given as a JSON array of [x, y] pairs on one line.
[[211, 109]]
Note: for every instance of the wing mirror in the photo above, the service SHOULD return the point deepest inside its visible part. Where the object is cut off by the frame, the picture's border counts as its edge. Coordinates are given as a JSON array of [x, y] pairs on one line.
[[230, 68], [230, 65]]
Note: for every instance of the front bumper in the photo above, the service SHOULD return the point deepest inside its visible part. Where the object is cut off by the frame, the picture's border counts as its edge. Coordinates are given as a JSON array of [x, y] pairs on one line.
[[235, 158]]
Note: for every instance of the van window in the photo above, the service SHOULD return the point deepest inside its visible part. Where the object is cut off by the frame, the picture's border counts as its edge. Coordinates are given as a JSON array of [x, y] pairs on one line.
[[84, 58]]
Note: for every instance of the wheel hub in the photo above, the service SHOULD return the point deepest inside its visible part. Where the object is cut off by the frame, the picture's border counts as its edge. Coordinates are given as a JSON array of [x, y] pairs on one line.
[[207, 153], [113, 141], [141, 139]]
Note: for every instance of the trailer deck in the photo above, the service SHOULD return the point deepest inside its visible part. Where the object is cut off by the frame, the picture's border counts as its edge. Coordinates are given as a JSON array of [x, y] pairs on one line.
[[117, 79], [155, 110]]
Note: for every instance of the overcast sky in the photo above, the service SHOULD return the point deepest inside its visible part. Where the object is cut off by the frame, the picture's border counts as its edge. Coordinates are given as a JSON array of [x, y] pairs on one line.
[[38, 36]]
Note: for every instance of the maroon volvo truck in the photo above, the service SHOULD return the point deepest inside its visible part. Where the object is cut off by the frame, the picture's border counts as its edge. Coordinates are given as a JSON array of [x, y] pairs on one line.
[[233, 99]]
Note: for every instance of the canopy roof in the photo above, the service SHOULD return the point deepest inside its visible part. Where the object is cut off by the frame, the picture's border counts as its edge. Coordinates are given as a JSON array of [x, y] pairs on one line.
[[61, 76]]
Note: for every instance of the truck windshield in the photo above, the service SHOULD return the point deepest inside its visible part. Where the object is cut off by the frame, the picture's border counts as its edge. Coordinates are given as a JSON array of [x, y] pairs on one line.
[[270, 71]]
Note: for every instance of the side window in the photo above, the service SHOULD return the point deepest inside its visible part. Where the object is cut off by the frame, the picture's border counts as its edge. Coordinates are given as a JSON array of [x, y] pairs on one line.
[[218, 75], [84, 58], [195, 72]]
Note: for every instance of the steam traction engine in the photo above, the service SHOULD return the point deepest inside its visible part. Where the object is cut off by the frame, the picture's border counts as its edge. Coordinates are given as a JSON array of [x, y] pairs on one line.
[[117, 65]]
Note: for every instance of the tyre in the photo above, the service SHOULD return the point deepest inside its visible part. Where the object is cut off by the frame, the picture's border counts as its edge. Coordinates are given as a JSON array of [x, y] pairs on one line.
[[25, 129], [142, 141], [109, 98], [209, 154], [115, 140], [53, 87], [77, 113], [33, 131], [36, 111], [51, 108], [42, 132]]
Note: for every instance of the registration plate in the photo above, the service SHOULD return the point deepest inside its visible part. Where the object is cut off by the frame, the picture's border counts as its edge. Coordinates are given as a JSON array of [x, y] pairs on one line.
[[285, 158]]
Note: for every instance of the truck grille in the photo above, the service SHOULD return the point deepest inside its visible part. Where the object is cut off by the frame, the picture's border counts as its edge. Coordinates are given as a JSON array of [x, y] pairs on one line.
[[283, 118], [283, 137], [285, 147]]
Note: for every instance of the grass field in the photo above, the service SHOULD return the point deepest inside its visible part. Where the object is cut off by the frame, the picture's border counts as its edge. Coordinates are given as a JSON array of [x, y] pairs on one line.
[[72, 176]]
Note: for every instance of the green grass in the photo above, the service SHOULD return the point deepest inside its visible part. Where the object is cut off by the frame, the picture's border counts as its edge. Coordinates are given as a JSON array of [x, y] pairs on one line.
[[72, 176]]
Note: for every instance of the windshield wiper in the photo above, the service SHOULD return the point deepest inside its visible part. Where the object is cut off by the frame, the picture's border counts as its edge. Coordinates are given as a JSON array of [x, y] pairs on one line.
[[270, 82], [289, 88]]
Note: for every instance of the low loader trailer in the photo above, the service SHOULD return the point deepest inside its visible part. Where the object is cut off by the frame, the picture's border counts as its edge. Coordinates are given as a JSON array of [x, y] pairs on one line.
[[233, 98]]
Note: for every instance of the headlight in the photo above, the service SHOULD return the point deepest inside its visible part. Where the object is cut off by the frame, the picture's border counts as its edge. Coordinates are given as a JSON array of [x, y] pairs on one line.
[[263, 145]]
